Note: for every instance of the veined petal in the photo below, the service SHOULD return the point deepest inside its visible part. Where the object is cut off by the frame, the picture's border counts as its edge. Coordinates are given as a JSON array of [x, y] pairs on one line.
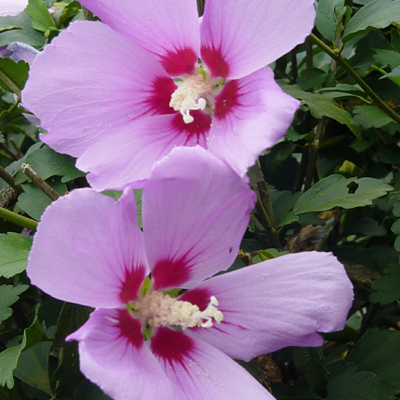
[[18, 51], [195, 211], [239, 37], [168, 29], [251, 115], [274, 304], [90, 81], [89, 250], [199, 371], [136, 148], [12, 7], [114, 356]]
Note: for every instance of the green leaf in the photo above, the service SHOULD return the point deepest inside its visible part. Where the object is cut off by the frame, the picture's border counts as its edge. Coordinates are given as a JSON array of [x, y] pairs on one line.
[[397, 244], [71, 318], [329, 15], [15, 167], [346, 335], [13, 75], [365, 226], [396, 227], [116, 194], [336, 191], [310, 362], [311, 78], [394, 197], [294, 136], [378, 352], [14, 252], [361, 257], [344, 90], [9, 28], [384, 255], [33, 201], [87, 390], [395, 39], [371, 117], [377, 14], [394, 74], [9, 357], [41, 18], [346, 383], [25, 33], [9, 394], [387, 58], [310, 219], [322, 106], [68, 374], [8, 296], [33, 367], [269, 254], [282, 205], [47, 163], [389, 154], [387, 288], [8, 362], [287, 219]]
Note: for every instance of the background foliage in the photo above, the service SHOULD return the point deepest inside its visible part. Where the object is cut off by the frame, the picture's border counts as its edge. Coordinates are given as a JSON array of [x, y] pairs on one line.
[[332, 184]]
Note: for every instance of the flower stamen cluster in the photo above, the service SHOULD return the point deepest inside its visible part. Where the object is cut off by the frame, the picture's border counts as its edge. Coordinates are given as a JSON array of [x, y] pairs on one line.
[[190, 95], [159, 309]]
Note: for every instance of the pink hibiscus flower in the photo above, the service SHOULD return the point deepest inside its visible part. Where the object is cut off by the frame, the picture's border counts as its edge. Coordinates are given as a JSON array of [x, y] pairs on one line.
[[105, 91], [195, 210]]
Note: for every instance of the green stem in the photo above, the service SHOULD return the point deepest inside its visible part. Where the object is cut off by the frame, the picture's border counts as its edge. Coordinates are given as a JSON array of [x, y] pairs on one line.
[[335, 54], [10, 83], [309, 54], [265, 211], [263, 214], [18, 219], [313, 154], [266, 203], [257, 224], [10, 180], [295, 69], [39, 182], [267, 221]]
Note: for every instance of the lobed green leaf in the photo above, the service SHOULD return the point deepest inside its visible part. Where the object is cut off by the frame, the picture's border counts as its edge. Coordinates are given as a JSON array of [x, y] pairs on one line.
[[377, 14], [8, 296], [335, 191], [14, 252], [322, 106], [378, 351]]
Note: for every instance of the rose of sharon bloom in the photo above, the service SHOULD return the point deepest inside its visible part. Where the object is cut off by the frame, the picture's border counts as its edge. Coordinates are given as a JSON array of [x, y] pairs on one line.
[[12, 7], [195, 210], [135, 84]]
